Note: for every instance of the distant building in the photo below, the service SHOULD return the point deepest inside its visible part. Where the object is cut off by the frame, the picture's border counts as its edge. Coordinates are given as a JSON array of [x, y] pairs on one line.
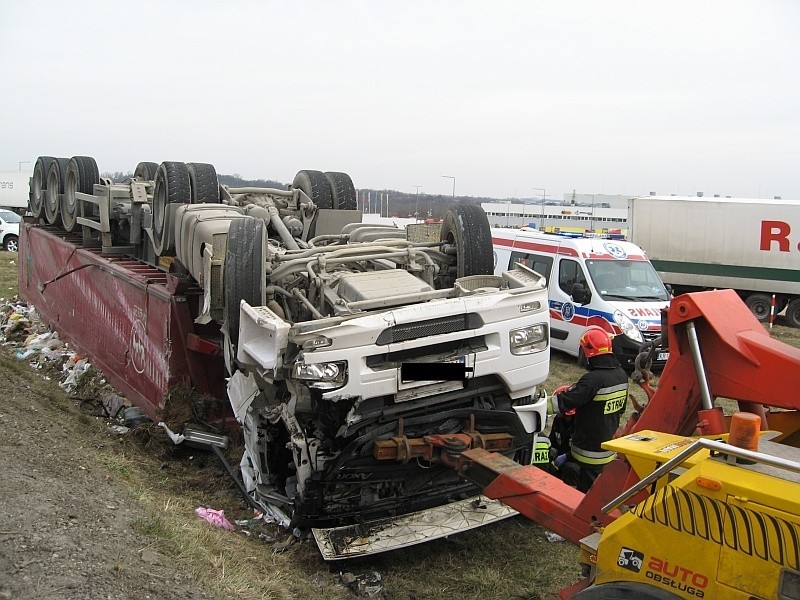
[[590, 212]]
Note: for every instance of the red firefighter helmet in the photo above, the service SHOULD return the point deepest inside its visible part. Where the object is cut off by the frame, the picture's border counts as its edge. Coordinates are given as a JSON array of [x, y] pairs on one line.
[[596, 341]]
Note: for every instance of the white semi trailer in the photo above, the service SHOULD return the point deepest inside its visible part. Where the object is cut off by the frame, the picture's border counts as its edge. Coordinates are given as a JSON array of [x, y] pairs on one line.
[[14, 188], [749, 245]]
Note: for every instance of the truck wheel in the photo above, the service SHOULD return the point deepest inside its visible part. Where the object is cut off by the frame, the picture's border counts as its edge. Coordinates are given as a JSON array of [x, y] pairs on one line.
[[342, 190], [82, 174], [11, 243], [170, 186], [760, 305], [244, 271], [624, 590], [39, 185], [466, 227], [315, 185], [203, 183], [56, 174], [793, 313], [146, 171]]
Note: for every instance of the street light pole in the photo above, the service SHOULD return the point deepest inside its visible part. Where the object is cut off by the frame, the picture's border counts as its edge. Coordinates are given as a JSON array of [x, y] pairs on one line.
[[544, 195], [416, 210], [454, 184]]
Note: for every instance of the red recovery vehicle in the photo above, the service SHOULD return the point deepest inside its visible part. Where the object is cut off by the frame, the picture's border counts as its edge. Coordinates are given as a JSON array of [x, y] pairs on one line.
[[687, 509]]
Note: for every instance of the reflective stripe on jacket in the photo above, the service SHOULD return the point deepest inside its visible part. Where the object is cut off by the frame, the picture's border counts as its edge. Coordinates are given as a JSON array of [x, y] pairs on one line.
[[607, 401], [599, 398]]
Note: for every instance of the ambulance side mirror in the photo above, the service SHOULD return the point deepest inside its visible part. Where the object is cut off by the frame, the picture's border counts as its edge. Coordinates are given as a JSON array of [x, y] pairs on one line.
[[581, 294]]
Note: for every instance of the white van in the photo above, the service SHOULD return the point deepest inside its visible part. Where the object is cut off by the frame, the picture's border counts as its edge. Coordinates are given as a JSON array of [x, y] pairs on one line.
[[9, 230], [591, 281]]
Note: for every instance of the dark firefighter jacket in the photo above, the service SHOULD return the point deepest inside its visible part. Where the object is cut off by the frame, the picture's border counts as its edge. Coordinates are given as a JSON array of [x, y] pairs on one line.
[[599, 399]]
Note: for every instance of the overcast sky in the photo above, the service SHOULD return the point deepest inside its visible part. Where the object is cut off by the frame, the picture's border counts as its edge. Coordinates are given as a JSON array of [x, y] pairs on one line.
[[510, 98]]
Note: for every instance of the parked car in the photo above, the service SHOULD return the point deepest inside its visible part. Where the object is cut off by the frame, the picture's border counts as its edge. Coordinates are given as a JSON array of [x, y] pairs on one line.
[[9, 230]]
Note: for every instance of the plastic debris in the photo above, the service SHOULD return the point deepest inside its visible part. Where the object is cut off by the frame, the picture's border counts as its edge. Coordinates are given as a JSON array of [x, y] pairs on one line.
[[176, 438], [112, 404], [74, 369], [133, 416], [215, 517], [23, 353], [367, 585], [553, 537]]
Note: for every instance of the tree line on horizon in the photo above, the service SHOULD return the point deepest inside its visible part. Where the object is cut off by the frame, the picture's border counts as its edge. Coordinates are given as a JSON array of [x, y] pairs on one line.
[[401, 204]]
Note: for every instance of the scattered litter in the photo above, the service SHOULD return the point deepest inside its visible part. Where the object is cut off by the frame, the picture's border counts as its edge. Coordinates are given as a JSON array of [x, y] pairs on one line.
[[553, 537], [215, 517], [133, 416], [367, 585], [120, 429], [23, 353], [258, 525], [74, 370], [112, 404], [279, 547], [21, 328]]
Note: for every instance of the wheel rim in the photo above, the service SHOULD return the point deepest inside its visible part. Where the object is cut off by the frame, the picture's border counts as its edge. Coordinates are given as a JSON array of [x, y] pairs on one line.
[[12, 245], [51, 198], [761, 311], [36, 198], [68, 201]]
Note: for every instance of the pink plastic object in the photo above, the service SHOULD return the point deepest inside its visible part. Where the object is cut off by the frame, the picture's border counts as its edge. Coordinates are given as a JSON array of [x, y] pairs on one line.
[[215, 517]]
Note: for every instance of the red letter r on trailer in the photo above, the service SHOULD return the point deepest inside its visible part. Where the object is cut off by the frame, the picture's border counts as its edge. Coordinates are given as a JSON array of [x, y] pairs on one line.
[[775, 231]]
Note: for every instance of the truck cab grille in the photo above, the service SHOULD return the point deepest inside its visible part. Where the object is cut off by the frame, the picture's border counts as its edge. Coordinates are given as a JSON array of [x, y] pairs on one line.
[[422, 329]]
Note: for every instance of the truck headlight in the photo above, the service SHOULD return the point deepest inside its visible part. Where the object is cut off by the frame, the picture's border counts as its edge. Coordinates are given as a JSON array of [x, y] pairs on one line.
[[627, 326], [527, 340], [324, 376]]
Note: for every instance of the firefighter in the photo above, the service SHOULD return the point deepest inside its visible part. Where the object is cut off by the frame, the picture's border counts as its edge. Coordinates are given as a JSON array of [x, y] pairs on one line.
[[598, 400], [542, 450]]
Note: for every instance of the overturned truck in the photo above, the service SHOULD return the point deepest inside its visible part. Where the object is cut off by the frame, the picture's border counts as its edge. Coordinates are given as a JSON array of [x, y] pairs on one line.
[[335, 342]]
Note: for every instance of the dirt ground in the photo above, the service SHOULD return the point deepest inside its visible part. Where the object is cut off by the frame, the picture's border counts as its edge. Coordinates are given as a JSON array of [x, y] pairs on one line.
[[71, 528], [66, 529]]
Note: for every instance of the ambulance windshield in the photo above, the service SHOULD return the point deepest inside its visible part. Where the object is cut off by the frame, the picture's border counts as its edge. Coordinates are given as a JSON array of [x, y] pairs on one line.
[[631, 280]]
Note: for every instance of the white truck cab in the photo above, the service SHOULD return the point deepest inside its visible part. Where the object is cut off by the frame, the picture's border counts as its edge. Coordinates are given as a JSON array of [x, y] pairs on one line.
[[591, 281]]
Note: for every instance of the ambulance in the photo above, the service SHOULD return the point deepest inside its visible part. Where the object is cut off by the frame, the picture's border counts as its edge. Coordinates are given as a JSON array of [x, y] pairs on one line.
[[591, 281]]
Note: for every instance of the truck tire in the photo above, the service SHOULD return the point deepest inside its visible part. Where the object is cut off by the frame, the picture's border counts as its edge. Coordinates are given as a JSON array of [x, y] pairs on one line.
[[342, 190], [466, 227], [56, 173], [624, 590], [146, 171], [39, 185], [82, 174], [11, 243], [793, 313], [170, 186], [760, 305], [315, 185], [244, 273], [203, 183]]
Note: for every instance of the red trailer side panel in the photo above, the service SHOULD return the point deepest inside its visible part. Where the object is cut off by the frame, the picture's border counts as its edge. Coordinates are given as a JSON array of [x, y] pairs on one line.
[[118, 312]]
